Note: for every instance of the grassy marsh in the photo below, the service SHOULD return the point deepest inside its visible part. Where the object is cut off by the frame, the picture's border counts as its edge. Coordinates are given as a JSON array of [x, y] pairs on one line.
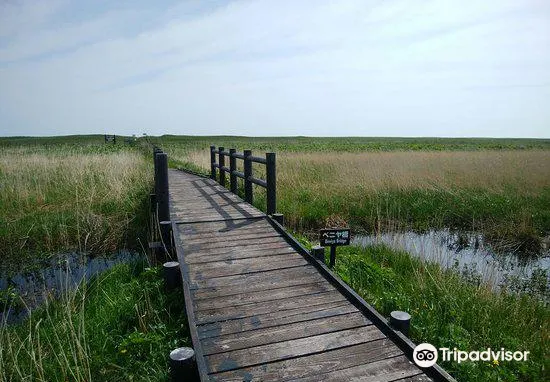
[[66, 197], [503, 193], [88, 196], [501, 190], [448, 311], [118, 327]]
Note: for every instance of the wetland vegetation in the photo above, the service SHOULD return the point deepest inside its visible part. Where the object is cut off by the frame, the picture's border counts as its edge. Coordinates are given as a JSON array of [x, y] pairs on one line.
[[499, 189], [68, 194]]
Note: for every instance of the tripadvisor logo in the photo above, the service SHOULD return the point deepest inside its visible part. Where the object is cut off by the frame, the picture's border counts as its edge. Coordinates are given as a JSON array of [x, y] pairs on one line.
[[426, 355]]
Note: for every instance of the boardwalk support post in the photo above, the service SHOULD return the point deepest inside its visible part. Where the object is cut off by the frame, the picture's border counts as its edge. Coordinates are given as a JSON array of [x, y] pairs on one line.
[[166, 235], [271, 180], [171, 274], [156, 167], [318, 253], [153, 202], [183, 366], [212, 162], [232, 168], [156, 150], [222, 165], [401, 321], [247, 176], [279, 218], [162, 192]]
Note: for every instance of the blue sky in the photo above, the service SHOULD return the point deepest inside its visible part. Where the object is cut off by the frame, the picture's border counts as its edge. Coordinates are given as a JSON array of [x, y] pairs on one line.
[[318, 68]]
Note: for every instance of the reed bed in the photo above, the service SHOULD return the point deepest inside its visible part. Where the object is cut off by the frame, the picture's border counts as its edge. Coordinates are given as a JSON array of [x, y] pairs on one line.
[[527, 172], [502, 193], [64, 198]]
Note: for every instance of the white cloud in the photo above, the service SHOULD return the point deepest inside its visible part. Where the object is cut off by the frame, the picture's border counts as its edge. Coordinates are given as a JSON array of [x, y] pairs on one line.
[[290, 68]]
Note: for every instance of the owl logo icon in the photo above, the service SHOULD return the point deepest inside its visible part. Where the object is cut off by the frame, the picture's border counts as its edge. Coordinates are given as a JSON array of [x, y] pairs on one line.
[[425, 355]]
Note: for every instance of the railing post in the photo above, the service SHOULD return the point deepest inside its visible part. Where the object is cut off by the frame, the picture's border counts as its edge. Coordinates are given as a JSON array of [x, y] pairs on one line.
[[171, 274], [247, 175], [271, 180], [279, 218], [401, 321], [156, 150], [212, 162], [318, 253], [157, 178], [232, 167], [166, 235], [153, 202], [183, 365], [162, 194], [222, 164]]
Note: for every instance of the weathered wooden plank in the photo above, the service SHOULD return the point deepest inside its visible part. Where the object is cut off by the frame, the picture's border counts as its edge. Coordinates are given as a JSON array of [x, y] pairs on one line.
[[262, 296], [223, 314], [386, 370], [236, 242], [267, 247], [241, 266], [219, 231], [292, 348], [275, 274], [230, 263], [215, 229], [211, 207], [218, 207], [263, 284], [315, 364], [301, 314], [213, 202], [227, 237], [284, 332], [182, 216], [198, 257]]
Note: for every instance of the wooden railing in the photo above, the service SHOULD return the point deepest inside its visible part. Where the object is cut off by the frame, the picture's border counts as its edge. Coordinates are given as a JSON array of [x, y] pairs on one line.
[[270, 182]]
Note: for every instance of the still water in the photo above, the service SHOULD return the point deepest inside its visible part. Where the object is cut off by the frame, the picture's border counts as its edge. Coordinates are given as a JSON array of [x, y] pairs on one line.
[[470, 255], [63, 273]]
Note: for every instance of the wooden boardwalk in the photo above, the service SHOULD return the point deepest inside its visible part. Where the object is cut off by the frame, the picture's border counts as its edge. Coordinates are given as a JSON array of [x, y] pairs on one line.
[[258, 309]]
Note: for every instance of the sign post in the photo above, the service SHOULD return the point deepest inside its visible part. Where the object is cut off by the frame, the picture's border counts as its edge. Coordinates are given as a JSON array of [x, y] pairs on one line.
[[334, 237]]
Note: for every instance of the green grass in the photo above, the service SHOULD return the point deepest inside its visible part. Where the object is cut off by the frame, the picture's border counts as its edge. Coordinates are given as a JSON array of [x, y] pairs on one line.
[[500, 187], [121, 326], [511, 222], [72, 140], [71, 197], [448, 311], [350, 144]]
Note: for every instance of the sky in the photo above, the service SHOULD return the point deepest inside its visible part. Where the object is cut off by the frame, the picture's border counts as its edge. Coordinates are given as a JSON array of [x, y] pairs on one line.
[[447, 68]]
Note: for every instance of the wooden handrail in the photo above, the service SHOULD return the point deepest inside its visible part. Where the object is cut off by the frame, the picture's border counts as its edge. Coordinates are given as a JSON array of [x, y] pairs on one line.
[[269, 183]]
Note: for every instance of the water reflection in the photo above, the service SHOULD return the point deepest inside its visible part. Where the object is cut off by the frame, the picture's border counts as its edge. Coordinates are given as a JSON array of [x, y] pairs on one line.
[[469, 254], [64, 272]]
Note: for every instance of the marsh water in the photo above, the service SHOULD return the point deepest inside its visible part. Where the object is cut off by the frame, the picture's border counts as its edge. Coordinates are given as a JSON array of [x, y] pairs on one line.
[[468, 254], [62, 273], [475, 259]]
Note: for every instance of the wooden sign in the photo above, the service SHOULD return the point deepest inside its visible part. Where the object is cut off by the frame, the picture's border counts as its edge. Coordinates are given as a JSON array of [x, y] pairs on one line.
[[334, 237]]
